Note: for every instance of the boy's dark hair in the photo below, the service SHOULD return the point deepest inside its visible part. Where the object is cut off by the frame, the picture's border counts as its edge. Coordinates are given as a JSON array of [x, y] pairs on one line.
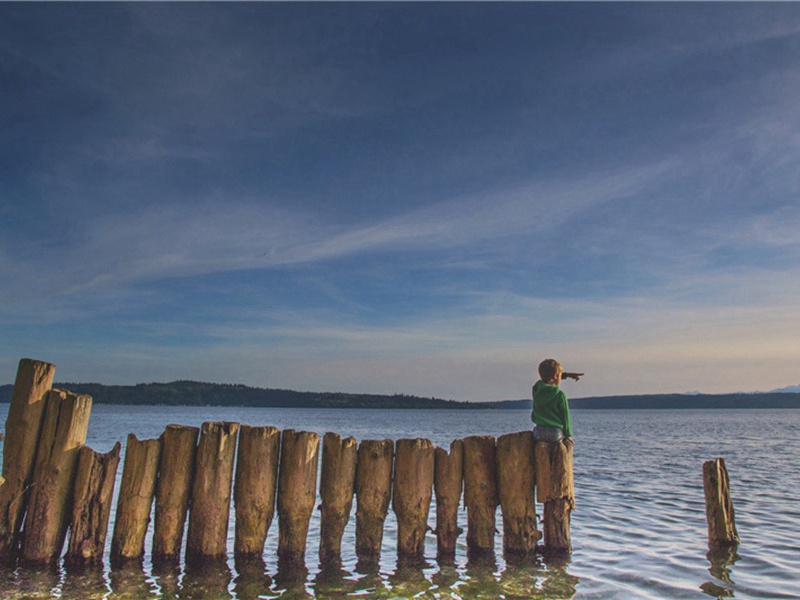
[[548, 369]]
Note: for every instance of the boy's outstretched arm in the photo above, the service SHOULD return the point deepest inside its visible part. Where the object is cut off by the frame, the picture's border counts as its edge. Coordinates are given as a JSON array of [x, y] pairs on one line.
[[575, 376]]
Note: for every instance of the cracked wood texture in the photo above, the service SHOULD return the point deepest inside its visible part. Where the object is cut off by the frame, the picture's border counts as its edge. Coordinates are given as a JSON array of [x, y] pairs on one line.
[[173, 490], [411, 496], [297, 492], [373, 493], [91, 508], [480, 494], [254, 489], [719, 506], [447, 484], [64, 428], [554, 489], [515, 482], [211, 493], [23, 425], [336, 489], [136, 490]]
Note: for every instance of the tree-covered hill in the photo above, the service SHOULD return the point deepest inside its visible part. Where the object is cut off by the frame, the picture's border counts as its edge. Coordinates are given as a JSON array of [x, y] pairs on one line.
[[194, 393]]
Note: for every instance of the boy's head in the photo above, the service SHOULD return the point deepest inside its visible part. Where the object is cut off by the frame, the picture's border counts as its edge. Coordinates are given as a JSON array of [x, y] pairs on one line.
[[549, 369]]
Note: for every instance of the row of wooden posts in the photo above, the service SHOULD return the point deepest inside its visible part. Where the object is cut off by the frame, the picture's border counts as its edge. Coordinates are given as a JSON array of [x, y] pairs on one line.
[[55, 484]]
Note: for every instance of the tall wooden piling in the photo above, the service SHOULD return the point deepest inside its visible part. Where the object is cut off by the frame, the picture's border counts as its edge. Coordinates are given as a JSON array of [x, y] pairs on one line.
[[411, 496], [173, 490], [297, 493], [554, 488], [336, 489], [722, 532], [515, 483], [91, 508], [63, 432], [254, 489], [136, 491], [373, 492], [448, 483], [23, 424], [211, 493], [480, 494]]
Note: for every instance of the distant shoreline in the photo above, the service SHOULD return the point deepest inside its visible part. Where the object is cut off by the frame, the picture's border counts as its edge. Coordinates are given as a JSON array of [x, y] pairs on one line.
[[193, 393]]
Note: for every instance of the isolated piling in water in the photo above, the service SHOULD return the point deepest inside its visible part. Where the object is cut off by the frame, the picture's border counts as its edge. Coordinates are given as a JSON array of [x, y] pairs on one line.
[[211, 493], [515, 483], [448, 480], [297, 492], [136, 490], [63, 432], [480, 494], [554, 488], [173, 490], [254, 488], [336, 489], [373, 492], [94, 488], [719, 506], [23, 424], [411, 496]]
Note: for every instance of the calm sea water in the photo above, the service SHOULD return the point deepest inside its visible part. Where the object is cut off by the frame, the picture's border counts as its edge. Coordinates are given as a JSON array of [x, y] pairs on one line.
[[638, 530]]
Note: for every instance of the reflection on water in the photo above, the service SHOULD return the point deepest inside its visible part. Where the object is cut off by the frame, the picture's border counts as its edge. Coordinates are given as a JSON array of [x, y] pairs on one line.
[[532, 578], [720, 561]]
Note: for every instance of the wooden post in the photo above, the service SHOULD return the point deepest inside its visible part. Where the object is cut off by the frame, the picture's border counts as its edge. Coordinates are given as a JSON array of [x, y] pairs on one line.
[[411, 496], [211, 493], [373, 492], [91, 507], [336, 489], [64, 427], [254, 490], [297, 493], [24, 421], [173, 490], [554, 488], [719, 506], [448, 480], [515, 482], [136, 491], [480, 494]]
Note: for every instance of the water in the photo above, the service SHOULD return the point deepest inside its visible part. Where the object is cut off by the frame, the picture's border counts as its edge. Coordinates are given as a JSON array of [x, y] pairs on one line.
[[638, 530]]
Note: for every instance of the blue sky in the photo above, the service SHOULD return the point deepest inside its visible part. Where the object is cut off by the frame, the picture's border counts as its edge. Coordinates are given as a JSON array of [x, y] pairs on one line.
[[402, 197]]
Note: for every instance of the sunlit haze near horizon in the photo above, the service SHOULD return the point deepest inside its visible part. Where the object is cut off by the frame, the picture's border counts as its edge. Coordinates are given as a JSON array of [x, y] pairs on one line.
[[418, 198]]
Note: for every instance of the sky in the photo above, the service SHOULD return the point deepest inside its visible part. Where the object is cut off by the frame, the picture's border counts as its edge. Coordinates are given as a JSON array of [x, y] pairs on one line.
[[417, 198]]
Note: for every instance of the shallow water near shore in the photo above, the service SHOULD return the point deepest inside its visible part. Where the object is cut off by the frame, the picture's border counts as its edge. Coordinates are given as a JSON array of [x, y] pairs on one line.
[[638, 530]]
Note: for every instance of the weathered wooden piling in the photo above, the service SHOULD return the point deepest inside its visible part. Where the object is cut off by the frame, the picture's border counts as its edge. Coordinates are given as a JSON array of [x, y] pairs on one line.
[[173, 490], [480, 494], [515, 484], [63, 432], [554, 489], [373, 492], [719, 506], [448, 483], [254, 489], [211, 493], [411, 496], [91, 507], [336, 489], [23, 424], [136, 491], [297, 493]]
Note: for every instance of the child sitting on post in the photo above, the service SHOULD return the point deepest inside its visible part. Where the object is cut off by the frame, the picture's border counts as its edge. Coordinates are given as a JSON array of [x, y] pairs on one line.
[[550, 407]]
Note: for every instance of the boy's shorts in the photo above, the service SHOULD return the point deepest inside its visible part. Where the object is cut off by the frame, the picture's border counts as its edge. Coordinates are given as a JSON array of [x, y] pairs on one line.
[[547, 433]]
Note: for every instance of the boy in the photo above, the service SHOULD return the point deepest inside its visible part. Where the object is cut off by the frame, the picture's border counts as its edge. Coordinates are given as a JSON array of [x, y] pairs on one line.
[[550, 407]]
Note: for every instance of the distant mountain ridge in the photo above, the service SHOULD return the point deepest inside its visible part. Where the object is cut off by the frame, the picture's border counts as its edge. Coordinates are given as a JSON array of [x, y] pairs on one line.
[[194, 393]]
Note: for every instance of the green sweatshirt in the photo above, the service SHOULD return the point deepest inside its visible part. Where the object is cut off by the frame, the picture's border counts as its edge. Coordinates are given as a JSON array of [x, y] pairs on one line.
[[550, 407]]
